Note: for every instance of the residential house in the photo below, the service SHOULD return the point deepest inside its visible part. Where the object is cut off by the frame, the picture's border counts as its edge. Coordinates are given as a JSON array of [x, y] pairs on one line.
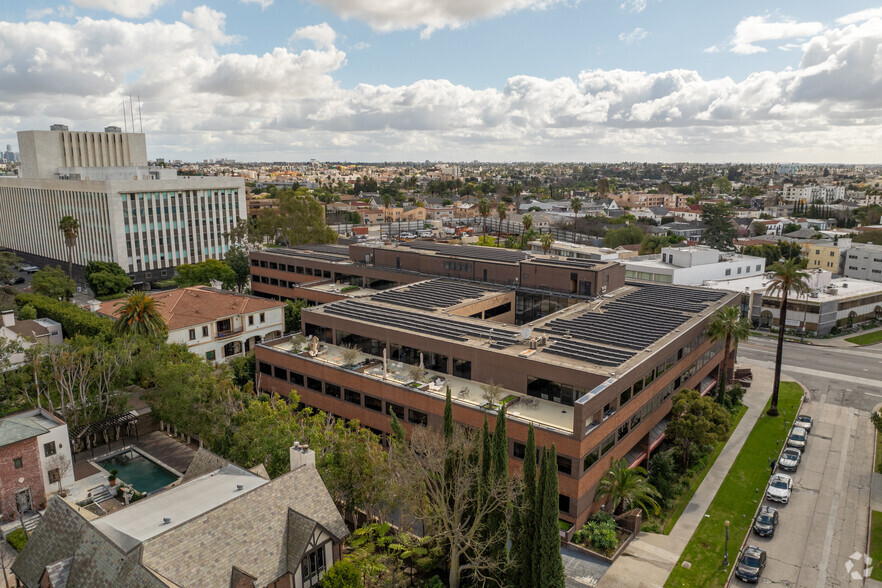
[[26, 334], [221, 526], [34, 460], [215, 324]]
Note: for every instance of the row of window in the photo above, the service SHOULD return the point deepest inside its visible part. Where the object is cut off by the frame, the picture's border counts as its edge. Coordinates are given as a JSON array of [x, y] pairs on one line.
[[746, 269], [294, 269]]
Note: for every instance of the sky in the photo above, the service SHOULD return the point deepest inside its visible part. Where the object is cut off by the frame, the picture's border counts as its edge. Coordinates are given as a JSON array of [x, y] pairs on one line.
[[454, 80]]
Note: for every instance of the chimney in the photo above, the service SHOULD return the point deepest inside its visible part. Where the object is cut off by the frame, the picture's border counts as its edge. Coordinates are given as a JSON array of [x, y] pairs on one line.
[[216, 284], [8, 318], [94, 305], [301, 455]]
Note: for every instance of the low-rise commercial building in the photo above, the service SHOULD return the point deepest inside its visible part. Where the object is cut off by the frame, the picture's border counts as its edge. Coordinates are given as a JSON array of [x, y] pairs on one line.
[[863, 261], [692, 266]]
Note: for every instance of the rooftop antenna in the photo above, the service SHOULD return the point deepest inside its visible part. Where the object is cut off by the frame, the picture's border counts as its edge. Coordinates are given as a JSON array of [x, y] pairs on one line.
[[140, 120], [132, 112], [125, 119]]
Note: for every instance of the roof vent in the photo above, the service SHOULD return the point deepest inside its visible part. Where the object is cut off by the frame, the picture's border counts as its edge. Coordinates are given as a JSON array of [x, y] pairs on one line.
[[166, 521], [239, 487]]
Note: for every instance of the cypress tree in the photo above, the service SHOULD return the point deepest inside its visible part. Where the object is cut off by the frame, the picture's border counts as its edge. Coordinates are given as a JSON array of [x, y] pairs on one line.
[[486, 454], [448, 417], [551, 571], [525, 535], [536, 555], [499, 518]]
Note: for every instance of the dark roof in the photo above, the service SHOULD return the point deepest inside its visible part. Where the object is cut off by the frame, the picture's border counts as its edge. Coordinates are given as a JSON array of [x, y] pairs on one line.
[[29, 329], [436, 294], [492, 254], [203, 463]]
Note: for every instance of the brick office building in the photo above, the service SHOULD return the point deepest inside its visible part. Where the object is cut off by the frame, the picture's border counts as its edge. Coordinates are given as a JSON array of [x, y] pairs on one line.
[[590, 360]]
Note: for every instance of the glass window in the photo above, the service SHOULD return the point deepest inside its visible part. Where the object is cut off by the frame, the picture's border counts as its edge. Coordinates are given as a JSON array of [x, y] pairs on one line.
[[462, 368], [624, 397], [623, 430], [192, 334], [314, 384], [563, 503], [332, 390], [352, 396], [266, 368], [607, 444], [296, 379], [564, 465], [372, 403], [280, 373], [210, 355], [590, 459], [49, 449], [17, 463], [519, 450], [418, 418], [395, 409]]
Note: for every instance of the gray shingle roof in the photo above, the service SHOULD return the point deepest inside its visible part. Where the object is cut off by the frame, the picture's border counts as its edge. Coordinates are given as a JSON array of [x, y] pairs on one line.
[[203, 462]]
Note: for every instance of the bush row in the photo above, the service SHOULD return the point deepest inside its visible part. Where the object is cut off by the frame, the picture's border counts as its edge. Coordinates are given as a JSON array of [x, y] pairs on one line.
[[74, 320]]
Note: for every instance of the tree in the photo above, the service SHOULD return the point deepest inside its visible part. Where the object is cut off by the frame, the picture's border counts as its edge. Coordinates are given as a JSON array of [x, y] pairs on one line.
[[727, 324], [527, 221], [501, 210], [498, 519], [484, 212], [628, 235], [292, 315], [603, 187], [343, 574], [299, 220], [8, 262], [27, 313], [696, 421], [719, 232], [576, 205], [70, 229], [202, 273], [238, 261], [546, 240], [787, 277], [52, 282], [757, 228], [548, 563], [107, 278], [625, 488], [139, 315], [523, 534], [388, 200], [722, 186], [59, 462], [245, 234]]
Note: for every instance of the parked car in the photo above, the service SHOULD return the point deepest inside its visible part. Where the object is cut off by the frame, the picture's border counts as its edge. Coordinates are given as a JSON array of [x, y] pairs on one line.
[[766, 521], [780, 486], [751, 563], [17, 280], [790, 459], [804, 421], [425, 233], [797, 438], [31, 269]]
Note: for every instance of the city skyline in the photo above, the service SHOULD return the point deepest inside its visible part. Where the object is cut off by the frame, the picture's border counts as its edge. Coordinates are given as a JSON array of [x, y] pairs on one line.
[[508, 80]]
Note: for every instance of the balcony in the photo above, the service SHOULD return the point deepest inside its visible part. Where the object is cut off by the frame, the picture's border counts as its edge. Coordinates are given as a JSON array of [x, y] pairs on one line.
[[228, 332]]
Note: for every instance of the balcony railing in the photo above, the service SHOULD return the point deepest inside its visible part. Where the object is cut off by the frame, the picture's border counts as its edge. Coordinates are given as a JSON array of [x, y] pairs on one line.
[[229, 332]]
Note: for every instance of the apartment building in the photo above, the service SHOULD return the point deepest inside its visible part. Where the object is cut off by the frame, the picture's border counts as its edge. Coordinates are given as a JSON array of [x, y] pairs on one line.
[[146, 219], [826, 254], [589, 359], [215, 324], [808, 194]]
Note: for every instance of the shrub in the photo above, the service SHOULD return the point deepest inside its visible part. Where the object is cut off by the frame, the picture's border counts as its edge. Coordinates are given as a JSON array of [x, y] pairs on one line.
[[433, 582], [27, 312], [601, 532], [17, 539], [74, 320], [343, 574]]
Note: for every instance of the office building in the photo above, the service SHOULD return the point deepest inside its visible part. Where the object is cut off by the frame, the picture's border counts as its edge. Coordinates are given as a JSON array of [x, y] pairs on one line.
[[692, 266], [589, 359], [864, 262], [146, 219]]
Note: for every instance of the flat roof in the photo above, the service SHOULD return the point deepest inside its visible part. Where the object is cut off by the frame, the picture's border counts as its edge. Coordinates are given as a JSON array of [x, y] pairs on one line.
[[853, 288], [142, 520], [438, 294], [475, 252], [24, 425]]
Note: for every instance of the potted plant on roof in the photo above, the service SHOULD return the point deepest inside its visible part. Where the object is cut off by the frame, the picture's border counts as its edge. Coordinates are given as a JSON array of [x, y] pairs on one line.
[[112, 477]]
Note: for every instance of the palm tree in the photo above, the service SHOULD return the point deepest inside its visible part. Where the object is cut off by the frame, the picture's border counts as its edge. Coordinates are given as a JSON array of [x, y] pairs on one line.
[[139, 315], [626, 488], [547, 241], [528, 226], [387, 200], [70, 228], [484, 211], [501, 210], [787, 276], [727, 324], [576, 205]]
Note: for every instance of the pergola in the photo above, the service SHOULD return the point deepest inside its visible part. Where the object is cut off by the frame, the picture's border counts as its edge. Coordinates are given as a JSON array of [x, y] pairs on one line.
[[85, 436]]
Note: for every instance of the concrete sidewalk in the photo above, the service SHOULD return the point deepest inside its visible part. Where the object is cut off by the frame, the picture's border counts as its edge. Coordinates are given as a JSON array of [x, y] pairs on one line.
[[649, 559]]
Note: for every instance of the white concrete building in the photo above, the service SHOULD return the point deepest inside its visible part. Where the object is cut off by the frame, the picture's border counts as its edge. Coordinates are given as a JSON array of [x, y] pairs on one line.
[[26, 334], [692, 266], [863, 261], [146, 219], [809, 194], [214, 324]]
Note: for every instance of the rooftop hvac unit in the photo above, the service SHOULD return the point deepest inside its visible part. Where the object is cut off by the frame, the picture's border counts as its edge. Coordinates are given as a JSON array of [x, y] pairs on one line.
[[813, 294]]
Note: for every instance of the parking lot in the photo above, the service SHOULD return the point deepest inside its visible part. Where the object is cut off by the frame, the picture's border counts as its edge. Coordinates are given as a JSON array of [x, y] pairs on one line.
[[825, 521]]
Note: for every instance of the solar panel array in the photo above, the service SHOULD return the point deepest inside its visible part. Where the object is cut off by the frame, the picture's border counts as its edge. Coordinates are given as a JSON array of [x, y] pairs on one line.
[[310, 253], [323, 248], [687, 299], [427, 324], [567, 262], [434, 294], [584, 351], [468, 251]]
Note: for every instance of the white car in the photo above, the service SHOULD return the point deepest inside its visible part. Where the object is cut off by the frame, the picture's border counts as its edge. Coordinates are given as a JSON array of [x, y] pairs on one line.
[[804, 421], [790, 459], [797, 437], [780, 486]]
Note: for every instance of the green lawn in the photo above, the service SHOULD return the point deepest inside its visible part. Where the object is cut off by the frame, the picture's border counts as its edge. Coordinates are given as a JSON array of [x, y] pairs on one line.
[[866, 338], [682, 502], [876, 544], [736, 497]]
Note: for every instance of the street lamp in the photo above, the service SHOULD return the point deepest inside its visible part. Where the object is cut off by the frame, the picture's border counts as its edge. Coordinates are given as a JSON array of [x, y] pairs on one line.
[[726, 549]]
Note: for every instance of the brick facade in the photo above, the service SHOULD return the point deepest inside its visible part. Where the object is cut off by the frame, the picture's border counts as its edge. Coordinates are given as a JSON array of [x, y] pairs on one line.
[[30, 474]]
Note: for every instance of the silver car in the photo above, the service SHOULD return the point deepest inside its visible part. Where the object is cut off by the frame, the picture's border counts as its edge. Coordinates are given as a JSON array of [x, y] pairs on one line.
[[797, 438], [804, 421], [780, 486], [790, 459]]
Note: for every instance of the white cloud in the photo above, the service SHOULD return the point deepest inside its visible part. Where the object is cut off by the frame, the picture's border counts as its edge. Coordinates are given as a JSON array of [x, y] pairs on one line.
[[321, 34], [200, 97], [637, 34], [754, 29], [264, 4], [860, 16], [633, 5], [126, 8], [430, 15], [711, 49]]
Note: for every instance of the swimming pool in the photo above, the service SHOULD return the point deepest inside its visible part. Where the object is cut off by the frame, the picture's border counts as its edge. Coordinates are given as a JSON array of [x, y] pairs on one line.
[[135, 469]]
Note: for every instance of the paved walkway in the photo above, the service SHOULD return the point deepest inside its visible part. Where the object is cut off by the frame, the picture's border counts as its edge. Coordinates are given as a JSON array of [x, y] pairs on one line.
[[649, 559], [581, 570]]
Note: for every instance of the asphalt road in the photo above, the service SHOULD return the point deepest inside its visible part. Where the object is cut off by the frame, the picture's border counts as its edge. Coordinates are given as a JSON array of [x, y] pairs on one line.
[[850, 377]]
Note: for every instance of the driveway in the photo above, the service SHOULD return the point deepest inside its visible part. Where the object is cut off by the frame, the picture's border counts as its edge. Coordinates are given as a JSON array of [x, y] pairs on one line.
[[825, 521]]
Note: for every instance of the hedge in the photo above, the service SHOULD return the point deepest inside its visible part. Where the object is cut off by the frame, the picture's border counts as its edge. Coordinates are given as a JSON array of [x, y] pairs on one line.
[[74, 320], [17, 538]]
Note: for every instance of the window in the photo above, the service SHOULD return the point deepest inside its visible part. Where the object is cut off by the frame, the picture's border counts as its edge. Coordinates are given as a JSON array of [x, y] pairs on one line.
[[210, 355], [192, 334], [266, 368], [758, 267], [623, 430], [590, 460], [372, 403], [314, 384], [262, 317], [280, 373], [49, 449], [395, 409], [418, 418], [519, 450], [352, 396], [624, 397], [313, 565], [250, 320], [54, 476], [564, 465], [17, 463], [205, 331], [332, 390], [563, 503], [608, 444], [296, 379], [729, 271]]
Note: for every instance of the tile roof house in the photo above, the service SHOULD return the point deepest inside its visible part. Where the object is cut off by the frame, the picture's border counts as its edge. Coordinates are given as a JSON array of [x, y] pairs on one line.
[[222, 526], [215, 324]]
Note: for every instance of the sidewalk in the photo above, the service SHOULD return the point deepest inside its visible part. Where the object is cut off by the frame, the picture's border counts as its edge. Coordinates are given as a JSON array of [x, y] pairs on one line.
[[649, 559], [839, 341]]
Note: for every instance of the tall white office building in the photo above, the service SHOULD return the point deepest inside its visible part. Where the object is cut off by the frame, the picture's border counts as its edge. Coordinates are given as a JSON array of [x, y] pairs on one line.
[[147, 219]]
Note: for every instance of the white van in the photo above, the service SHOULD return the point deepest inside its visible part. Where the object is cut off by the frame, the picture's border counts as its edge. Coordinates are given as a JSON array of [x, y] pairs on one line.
[[425, 233]]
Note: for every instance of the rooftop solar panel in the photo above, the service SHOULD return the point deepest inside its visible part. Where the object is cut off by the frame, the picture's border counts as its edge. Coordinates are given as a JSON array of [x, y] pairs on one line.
[[434, 294], [676, 297], [495, 254], [567, 262]]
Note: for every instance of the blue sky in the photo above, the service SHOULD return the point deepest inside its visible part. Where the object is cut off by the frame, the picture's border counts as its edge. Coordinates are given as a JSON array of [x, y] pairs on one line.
[[494, 80]]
